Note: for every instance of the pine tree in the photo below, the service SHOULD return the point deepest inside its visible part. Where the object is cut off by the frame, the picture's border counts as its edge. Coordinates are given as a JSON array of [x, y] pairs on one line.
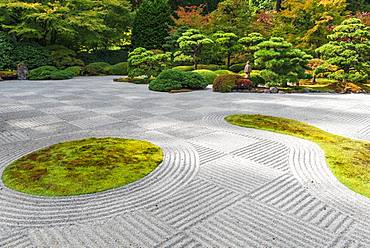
[[281, 62], [151, 24], [347, 55]]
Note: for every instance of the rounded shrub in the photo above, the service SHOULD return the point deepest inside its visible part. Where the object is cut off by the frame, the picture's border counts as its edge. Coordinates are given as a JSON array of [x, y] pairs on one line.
[[97, 68], [208, 75], [168, 80], [183, 68], [41, 73], [257, 79], [211, 67], [74, 70], [223, 72], [61, 75], [194, 81], [175, 80], [51, 72], [226, 83], [120, 68]]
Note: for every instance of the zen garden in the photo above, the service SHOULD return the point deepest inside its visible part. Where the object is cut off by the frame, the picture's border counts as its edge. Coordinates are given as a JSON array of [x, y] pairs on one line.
[[185, 123]]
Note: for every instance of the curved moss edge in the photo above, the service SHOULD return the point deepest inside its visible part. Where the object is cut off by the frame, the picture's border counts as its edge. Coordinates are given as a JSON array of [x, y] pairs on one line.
[[348, 159], [82, 166]]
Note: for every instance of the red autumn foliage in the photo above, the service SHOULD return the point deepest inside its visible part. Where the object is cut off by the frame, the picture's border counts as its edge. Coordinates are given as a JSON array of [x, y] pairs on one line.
[[191, 16]]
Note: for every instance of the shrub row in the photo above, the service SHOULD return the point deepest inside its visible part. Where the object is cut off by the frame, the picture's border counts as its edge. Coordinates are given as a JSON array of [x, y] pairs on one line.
[[93, 69], [175, 80], [53, 73]]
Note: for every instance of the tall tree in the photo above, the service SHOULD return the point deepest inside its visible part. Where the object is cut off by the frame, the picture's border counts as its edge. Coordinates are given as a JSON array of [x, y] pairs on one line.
[[151, 24], [347, 55]]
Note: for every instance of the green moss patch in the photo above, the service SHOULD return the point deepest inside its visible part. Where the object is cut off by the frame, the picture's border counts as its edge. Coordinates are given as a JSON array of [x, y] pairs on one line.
[[348, 159], [82, 166]]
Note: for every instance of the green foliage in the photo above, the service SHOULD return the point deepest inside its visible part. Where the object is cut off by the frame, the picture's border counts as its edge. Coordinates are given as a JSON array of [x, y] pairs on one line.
[[233, 16], [175, 80], [98, 68], [264, 4], [208, 75], [307, 23], [228, 42], [151, 24], [51, 72], [211, 67], [183, 68], [223, 72], [347, 55], [348, 159], [74, 70], [237, 67], [6, 48], [191, 44], [358, 5], [120, 68], [226, 83], [32, 55], [257, 79], [109, 56], [142, 62], [250, 43], [209, 5], [82, 166], [281, 62], [75, 24], [63, 57]]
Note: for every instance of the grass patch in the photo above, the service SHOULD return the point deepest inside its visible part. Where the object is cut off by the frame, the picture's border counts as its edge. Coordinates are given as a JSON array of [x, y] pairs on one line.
[[82, 166], [348, 159]]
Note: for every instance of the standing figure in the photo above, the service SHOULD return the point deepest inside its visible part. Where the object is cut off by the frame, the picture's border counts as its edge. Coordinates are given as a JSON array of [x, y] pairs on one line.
[[22, 71], [247, 70]]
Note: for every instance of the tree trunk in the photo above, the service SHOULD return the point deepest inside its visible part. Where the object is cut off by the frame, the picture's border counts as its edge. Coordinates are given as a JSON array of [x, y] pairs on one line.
[[278, 5], [228, 60], [195, 61]]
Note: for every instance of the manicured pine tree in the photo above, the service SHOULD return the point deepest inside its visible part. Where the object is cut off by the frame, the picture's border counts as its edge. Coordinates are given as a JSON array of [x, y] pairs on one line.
[[228, 42], [347, 55], [191, 44], [281, 62], [151, 24]]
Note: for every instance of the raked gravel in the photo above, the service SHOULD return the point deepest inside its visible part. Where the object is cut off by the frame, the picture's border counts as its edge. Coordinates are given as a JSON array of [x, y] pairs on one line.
[[218, 185]]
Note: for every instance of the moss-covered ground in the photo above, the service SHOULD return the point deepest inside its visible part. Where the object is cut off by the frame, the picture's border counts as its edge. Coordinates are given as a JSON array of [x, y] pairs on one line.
[[82, 166], [348, 159]]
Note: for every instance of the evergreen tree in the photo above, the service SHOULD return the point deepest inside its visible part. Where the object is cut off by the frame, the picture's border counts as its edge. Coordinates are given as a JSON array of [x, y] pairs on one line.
[[151, 24], [347, 55], [250, 43], [191, 43], [281, 62], [228, 42]]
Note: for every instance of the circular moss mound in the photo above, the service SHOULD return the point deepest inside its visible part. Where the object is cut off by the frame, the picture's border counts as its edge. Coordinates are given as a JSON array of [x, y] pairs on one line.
[[82, 166]]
